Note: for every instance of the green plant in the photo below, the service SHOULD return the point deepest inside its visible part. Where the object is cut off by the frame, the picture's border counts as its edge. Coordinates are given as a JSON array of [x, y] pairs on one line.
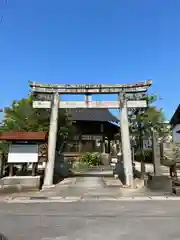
[[95, 159], [91, 159], [80, 166], [147, 156]]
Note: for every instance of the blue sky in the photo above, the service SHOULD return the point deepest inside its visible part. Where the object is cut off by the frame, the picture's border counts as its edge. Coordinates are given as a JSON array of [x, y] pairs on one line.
[[90, 41]]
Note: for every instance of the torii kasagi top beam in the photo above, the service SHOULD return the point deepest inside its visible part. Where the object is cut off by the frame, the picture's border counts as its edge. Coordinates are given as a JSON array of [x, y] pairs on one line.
[[90, 88]]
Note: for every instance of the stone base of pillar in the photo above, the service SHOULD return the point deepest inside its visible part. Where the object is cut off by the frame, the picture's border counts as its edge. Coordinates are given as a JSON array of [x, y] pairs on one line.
[[159, 183], [105, 159], [44, 187]]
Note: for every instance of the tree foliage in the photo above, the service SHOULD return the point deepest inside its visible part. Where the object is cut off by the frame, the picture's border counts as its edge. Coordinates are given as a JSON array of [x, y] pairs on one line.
[[142, 121], [21, 116]]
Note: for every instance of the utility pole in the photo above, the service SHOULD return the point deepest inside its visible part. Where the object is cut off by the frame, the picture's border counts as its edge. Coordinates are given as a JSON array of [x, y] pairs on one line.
[[125, 139], [49, 170]]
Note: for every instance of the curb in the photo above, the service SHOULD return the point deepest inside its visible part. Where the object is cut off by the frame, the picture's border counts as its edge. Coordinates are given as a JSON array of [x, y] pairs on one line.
[[112, 182], [68, 181], [85, 199]]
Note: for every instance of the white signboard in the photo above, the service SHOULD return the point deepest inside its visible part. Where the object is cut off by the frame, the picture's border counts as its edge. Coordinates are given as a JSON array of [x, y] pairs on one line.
[[114, 160], [22, 153], [91, 137], [113, 164], [137, 104], [147, 144], [90, 104]]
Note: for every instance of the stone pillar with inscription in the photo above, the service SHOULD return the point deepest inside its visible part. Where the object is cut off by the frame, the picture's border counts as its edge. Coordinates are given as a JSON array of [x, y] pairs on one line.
[[49, 170], [158, 182], [80, 143], [125, 140], [103, 148], [109, 146], [1, 164], [156, 154], [114, 150]]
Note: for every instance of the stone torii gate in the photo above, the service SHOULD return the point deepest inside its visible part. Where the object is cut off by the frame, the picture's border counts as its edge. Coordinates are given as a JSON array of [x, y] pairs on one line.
[[47, 96]]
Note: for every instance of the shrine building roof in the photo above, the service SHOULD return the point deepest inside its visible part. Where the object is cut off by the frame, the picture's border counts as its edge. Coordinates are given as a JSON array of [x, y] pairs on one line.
[[89, 114]]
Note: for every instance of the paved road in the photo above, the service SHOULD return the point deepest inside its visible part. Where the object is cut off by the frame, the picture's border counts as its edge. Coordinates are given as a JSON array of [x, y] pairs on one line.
[[91, 220]]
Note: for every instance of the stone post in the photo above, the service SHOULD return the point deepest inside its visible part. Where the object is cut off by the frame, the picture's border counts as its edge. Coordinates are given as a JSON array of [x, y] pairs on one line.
[[34, 168], [49, 170], [1, 164], [11, 172], [156, 154], [125, 140], [103, 149], [114, 150], [80, 143], [109, 145]]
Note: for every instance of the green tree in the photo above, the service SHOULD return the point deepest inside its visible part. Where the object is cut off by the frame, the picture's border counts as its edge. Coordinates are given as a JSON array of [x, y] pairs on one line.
[[21, 116], [142, 121]]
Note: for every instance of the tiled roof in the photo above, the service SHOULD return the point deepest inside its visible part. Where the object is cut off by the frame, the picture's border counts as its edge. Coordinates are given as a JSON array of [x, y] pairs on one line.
[[87, 114], [24, 136]]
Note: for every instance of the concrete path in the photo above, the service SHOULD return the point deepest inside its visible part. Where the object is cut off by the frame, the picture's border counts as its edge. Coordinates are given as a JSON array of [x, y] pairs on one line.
[[92, 185]]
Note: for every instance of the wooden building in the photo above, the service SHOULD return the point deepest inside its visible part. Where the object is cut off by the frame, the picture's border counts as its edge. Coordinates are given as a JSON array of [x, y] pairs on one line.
[[95, 128]]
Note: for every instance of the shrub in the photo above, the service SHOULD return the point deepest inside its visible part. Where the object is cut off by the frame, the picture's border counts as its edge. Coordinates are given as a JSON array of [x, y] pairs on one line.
[[147, 155], [79, 166], [91, 159]]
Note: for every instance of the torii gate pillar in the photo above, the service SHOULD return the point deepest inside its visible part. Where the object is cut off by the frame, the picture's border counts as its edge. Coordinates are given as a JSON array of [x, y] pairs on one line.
[[49, 170], [125, 141]]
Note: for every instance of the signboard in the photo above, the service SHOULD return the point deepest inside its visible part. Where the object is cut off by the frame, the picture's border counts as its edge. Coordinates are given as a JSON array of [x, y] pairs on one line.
[[137, 104], [147, 143], [90, 104], [22, 153], [42, 96], [114, 160], [91, 137], [113, 164]]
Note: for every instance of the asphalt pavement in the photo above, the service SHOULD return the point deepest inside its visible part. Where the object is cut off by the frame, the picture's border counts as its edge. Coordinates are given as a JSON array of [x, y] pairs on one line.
[[91, 220]]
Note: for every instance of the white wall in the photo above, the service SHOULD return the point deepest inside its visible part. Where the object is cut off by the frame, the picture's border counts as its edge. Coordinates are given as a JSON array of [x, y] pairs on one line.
[[176, 136]]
